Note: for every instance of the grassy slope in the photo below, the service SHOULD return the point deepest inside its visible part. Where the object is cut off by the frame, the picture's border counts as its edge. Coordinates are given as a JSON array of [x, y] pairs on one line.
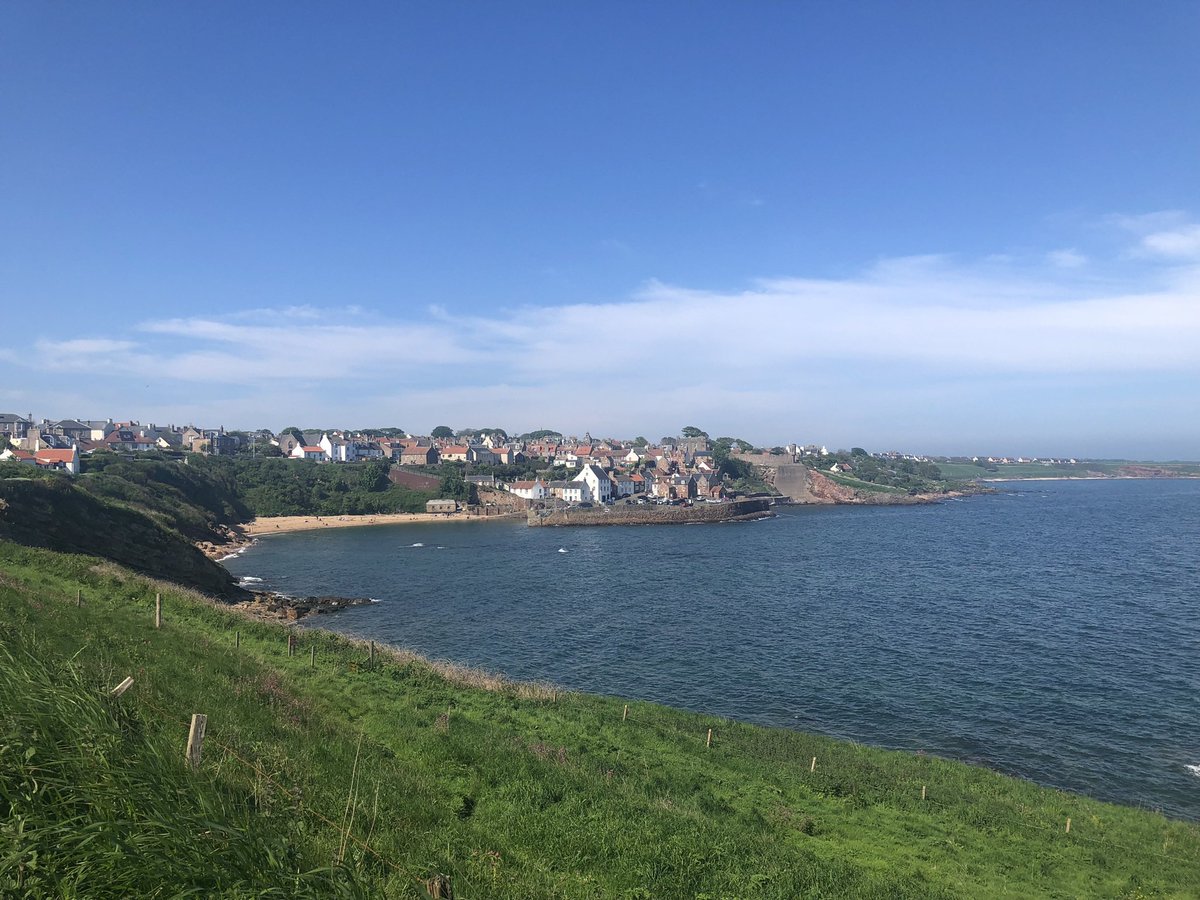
[[521, 792], [1091, 468], [859, 484]]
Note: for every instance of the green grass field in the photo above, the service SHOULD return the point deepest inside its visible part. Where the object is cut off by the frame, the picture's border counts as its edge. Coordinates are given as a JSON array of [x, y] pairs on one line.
[[1092, 468], [372, 777], [859, 484]]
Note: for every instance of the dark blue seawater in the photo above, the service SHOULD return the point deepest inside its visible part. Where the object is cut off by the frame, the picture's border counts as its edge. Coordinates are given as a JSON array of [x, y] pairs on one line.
[[1050, 631]]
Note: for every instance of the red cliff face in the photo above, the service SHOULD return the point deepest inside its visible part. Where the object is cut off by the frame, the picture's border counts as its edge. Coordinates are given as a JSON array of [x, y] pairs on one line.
[[826, 490]]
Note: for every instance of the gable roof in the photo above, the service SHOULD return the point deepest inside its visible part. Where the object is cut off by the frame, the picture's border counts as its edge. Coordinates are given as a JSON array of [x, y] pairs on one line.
[[55, 456]]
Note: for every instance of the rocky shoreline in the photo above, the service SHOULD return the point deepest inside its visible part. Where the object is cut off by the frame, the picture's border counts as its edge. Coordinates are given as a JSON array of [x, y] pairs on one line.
[[272, 607]]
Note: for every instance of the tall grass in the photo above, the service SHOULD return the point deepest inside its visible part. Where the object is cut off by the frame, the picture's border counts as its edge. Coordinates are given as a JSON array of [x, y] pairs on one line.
[[93, 808], [406, 771]]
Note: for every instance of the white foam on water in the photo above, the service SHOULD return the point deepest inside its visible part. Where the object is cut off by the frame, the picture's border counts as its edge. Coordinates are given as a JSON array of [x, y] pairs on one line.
[[563, 550], [1195, 770], [418, 545], [249, 579], [374, 599]]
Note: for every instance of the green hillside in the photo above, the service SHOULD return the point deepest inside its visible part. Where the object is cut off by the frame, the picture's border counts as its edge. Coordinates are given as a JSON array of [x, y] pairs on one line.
[[144, 524], [395, 771]]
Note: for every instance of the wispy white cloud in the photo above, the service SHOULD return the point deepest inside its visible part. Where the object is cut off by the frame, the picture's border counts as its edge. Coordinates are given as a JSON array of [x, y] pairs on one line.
[[1066, 259], [1168, 235], [928, 312], [1181, 243], [84, 348]]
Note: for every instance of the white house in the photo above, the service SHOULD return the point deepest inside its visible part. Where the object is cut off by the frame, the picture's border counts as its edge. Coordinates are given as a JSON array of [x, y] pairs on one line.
[[336, 449], [66, 460], [302, 452], [575, 492], [530, 490], [598, 482]]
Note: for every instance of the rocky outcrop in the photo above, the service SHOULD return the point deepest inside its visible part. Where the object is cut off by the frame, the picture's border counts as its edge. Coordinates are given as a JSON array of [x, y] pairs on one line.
[[275, 607]]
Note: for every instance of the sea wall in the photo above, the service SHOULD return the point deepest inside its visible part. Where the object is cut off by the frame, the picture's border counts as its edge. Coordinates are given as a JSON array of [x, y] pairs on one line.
[[732, 511]]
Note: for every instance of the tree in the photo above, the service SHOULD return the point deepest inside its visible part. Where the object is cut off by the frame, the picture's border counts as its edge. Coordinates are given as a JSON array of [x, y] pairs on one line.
[[442, 431], [374, 476], [691, 431], [640, 441]]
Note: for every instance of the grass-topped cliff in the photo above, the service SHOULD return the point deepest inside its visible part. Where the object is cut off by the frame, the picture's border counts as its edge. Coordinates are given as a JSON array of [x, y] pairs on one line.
[[145, 515], [376, 777]]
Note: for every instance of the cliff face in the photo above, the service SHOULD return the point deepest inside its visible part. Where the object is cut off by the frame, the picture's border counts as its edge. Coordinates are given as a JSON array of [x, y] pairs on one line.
[[801, 484], [54, 513]]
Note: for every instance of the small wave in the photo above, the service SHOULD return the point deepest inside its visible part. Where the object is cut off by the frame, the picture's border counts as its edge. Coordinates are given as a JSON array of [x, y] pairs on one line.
[[374, 599], [1195, 770], [439, 548], [249, 579], [418, 545], [563, 550]]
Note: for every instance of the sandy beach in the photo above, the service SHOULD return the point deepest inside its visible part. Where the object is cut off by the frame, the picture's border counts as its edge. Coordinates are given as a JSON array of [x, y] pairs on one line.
[[280, 524]]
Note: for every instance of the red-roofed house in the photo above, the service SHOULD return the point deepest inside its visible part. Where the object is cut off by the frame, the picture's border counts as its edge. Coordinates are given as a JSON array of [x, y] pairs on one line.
[[302, 452], [67, 460], [11, 454]]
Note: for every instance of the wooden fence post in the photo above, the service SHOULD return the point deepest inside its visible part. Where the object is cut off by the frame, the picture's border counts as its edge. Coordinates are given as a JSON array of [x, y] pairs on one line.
[[922, 792], [313, 661], [813, 767], [78, 598], [195, 742], [625, 715], [122, 687], [708, 743], [158, 610], [237, 640], [291, 644], [372, 658], [1068, 824]]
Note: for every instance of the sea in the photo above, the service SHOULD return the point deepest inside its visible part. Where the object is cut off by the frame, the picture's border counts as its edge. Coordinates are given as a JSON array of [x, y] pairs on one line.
[[1050, 630]]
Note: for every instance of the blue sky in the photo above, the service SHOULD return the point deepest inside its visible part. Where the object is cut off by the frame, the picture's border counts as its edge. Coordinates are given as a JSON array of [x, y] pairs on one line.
[[942, 227]]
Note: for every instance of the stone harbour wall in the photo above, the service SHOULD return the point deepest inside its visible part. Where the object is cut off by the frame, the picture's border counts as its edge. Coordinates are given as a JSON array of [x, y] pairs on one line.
[[731, 511]]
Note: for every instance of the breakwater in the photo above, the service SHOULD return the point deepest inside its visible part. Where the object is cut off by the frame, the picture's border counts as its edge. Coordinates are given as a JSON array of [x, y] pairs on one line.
[[731, 511]]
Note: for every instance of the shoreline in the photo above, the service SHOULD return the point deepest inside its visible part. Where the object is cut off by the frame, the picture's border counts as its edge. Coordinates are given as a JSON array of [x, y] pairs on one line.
[[282, 524], [238, 537]]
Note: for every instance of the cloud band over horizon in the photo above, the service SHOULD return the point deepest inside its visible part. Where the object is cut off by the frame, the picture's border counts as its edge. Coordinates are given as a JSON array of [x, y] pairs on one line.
[[889, 354]]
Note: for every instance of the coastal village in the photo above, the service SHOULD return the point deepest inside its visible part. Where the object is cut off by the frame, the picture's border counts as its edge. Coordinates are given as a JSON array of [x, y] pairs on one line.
[[539, 469], [596, 471]]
